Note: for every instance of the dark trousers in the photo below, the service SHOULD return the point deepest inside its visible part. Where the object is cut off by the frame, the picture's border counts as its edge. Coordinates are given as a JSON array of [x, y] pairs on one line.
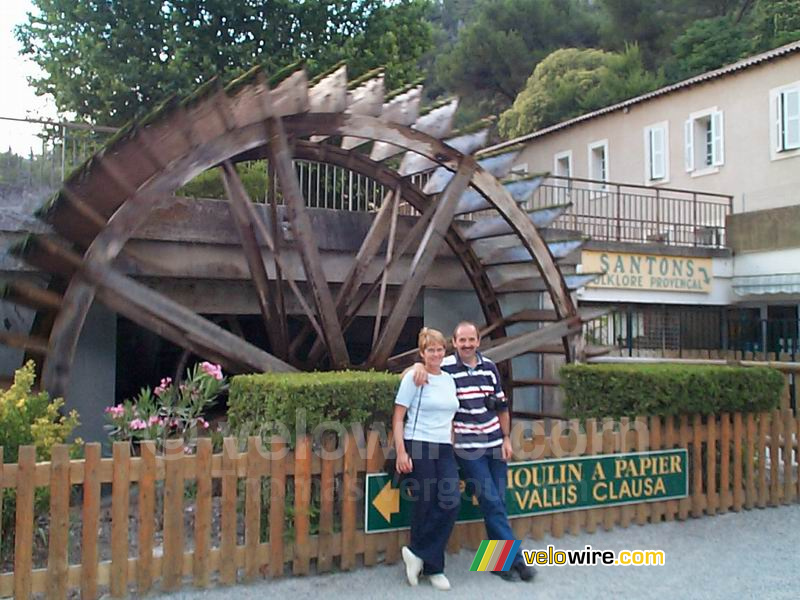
[[433, 485], [486, 474]]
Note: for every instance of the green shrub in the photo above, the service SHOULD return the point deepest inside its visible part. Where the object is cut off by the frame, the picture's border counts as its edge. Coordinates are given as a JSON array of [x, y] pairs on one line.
[[29, 418], [614, 390], [302, 401]]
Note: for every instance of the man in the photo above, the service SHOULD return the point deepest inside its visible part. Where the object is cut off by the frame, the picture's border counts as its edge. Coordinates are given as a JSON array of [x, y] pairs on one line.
[[482, 428]]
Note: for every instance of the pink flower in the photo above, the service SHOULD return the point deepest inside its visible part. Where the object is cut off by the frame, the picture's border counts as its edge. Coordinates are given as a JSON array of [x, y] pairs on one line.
[[162, 387], [115, 411], [154, 420], [203, 423], [138, 424], [212, 370]]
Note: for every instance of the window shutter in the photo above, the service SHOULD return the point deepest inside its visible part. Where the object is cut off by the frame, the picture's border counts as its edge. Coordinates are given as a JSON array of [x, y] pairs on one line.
[[718, 146], [688, 148], [657, 153], [778, 124], [791, 119]]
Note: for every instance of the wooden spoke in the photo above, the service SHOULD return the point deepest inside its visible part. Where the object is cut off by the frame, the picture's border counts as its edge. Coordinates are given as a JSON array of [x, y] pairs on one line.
[[385, 276], [352, 310], [527, 342], [272, 244], [422, 262], [245, 216], [177, 323], [272, 200], [355, 276], [280, 156]]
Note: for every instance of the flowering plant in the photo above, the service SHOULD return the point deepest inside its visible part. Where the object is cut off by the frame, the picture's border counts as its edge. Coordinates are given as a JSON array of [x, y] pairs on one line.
[[171, 410]]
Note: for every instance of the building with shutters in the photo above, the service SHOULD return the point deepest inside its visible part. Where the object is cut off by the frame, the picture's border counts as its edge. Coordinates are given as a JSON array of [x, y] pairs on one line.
[[685, 268]]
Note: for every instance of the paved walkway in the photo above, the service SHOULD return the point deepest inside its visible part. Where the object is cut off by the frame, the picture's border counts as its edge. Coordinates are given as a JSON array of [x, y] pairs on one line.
[[753, 554]]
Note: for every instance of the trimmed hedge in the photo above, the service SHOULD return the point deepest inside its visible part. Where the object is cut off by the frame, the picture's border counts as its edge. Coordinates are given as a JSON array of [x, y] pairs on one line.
[[257, 402], [615, 390]]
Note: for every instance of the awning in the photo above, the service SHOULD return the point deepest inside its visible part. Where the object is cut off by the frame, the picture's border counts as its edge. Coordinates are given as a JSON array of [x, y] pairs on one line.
[[759, 285]]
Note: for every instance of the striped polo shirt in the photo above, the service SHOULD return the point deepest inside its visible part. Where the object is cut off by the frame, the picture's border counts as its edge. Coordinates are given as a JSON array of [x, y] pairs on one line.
[[474, 425]]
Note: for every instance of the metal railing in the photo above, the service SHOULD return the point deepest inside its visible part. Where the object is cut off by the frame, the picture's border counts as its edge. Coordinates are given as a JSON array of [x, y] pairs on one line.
[[626, 212], [61, 147]]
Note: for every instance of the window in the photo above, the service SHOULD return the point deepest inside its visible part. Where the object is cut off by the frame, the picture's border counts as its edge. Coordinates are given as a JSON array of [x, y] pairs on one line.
[[563, 164], [519, 170], [656, 146], [703, 149], [785, 115], [598, 160]]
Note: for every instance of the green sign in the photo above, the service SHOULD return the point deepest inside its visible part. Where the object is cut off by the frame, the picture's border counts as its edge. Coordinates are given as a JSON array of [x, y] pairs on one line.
[[548, 486]]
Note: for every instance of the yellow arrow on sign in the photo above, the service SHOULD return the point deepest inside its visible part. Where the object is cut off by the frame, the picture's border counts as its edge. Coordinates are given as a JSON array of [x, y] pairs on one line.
[[387, 502]]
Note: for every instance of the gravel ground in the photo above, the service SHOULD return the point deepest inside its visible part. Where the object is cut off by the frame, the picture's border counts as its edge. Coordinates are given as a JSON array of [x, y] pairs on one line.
[[753, 554]]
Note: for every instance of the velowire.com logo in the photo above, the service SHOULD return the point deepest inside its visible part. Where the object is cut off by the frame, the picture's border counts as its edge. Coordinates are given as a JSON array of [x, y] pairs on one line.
[[495, 555]]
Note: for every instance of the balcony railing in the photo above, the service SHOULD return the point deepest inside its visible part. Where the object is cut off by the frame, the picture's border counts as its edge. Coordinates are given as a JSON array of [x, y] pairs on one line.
[[626, 212]]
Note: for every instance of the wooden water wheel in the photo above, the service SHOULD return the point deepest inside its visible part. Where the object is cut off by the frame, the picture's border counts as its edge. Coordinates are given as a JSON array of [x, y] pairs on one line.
[[328, 121]]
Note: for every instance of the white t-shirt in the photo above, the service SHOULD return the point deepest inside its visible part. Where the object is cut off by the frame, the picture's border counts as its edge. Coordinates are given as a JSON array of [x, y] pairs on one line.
[[435, 403]]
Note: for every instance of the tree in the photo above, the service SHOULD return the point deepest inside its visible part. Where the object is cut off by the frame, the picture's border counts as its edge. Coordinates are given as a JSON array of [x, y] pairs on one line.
[[108, 60], [708, 44], [571, 82], [654, 24], [776, 22], [501, 42]]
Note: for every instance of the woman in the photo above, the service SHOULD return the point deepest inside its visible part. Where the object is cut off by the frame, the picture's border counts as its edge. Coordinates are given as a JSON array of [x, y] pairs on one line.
[[424, 447]]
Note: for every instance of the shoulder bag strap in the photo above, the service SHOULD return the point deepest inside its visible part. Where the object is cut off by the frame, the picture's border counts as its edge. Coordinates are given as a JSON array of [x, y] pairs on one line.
[[416, 415]]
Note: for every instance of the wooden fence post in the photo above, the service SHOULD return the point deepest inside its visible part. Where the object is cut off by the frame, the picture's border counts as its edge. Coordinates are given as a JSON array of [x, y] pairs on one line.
[[763, 490], [302, 504], [147, 507], [738, 435], [327, 486], [277, 504], [669, 442], [23, 537], [610, 513], [685, 503], [577, 516], [711, 464], [656, 508], [749, 463], [788, 430], [202, 513], [642, 445], [229, 509], [591, 449], [774, 458], [120, 506], [374, 464], [57, 557], [90, 517], [349, 503], [697, 463], [556, 440], [172, 564], [252, 508], [724, 462]]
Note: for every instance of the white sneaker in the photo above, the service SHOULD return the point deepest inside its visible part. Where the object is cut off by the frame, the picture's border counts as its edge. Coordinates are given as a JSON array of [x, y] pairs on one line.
[[440, 582], [413, 565]]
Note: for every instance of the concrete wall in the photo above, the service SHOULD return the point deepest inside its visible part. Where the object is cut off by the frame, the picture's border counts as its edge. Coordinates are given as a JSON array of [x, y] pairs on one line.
[[750, 172], [94, 371], [444, 309], [765, 230]]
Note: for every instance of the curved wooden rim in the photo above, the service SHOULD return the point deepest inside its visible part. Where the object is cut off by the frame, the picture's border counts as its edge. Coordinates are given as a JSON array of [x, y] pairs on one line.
[[136, 208]]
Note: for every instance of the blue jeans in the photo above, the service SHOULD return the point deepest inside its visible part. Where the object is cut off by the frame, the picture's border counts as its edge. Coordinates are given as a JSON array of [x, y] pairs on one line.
[[433, 484], [486, 475]]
